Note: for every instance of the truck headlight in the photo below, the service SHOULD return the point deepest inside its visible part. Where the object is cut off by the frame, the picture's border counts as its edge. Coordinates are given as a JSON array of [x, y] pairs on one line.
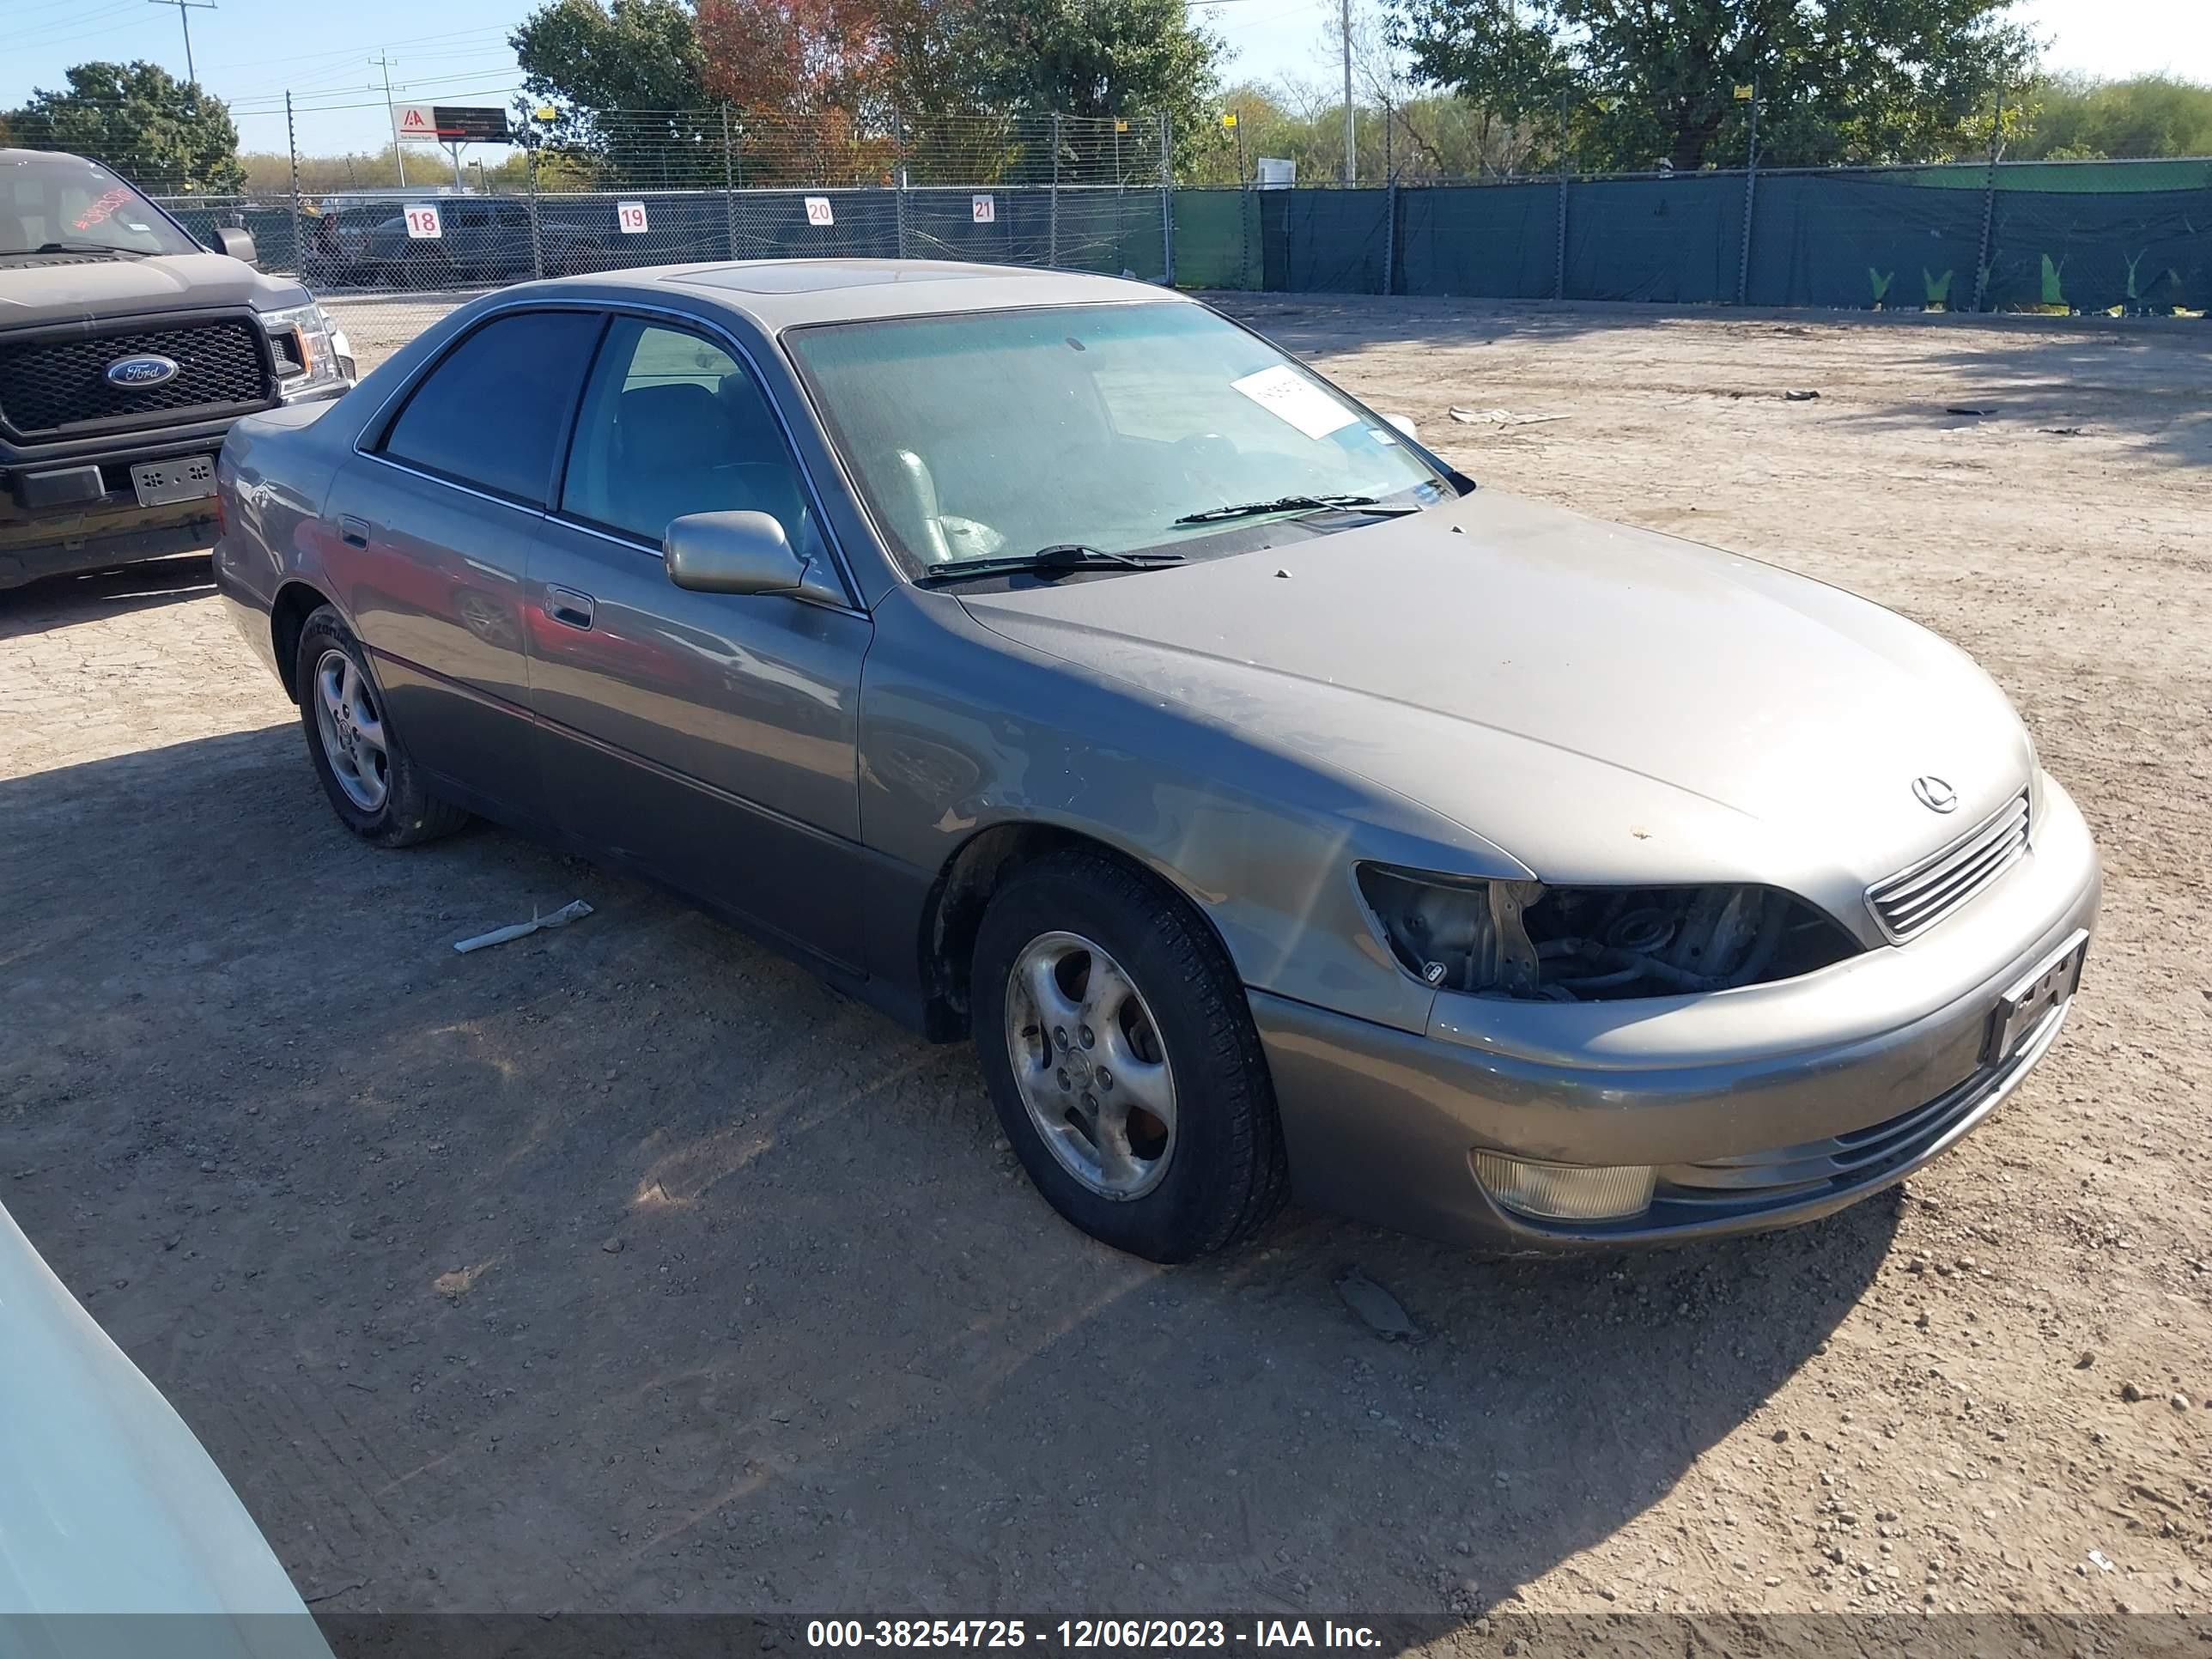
[[310, 351], [1527, 941]]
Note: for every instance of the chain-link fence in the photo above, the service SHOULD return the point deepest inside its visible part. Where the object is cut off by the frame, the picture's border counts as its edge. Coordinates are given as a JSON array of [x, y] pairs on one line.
[[578, 194], [2128, 237], [610, 191]]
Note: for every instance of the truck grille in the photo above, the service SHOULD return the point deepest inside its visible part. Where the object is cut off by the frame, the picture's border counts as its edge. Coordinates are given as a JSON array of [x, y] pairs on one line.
[[1916, 899], [53, 388]]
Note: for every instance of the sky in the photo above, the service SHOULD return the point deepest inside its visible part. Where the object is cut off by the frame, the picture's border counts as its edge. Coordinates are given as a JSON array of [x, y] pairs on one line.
[[250, 52]]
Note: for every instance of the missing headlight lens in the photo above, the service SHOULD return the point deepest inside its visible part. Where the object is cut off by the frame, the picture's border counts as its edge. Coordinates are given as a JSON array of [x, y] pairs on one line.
[[1595, 944]]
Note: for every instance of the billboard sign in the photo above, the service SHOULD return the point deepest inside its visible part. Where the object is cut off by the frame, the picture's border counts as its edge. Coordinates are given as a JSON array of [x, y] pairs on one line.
[[449, 124]]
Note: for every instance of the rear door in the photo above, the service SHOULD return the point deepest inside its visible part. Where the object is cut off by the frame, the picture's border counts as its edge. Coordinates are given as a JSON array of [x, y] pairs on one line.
[[710, 738], [428, 531]]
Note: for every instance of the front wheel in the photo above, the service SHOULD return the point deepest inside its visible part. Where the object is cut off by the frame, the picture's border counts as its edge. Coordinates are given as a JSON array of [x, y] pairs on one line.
[[372, 786], [1122, 1061]]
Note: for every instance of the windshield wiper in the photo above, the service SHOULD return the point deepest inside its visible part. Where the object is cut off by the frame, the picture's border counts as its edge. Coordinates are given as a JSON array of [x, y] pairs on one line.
[[1061, 556], [84, 247], [1297, 504]]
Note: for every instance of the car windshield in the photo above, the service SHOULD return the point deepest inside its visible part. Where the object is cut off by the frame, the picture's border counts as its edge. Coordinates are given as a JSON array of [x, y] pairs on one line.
[[990, 435], [63, 204]]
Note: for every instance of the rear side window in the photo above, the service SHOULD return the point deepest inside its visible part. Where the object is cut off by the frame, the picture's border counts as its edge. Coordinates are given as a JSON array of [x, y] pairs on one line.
[[492, 413]]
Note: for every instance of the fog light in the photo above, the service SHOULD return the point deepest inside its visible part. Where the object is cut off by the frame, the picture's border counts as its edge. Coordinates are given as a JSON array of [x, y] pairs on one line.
[[1566, 1192]]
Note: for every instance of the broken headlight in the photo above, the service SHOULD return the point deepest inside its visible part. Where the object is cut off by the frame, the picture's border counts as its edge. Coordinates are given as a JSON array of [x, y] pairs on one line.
[[1525, 939]]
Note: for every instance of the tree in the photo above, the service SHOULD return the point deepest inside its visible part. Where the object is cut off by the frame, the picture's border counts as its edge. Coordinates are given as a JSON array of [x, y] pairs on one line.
[[2073, 118], [627, 83], [813, 78], [794, 55], [1640, 82], [1096, 57], [166, 136]]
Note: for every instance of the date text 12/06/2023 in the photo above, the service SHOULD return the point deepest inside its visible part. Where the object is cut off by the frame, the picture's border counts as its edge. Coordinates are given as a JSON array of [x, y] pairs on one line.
[[1080, 1635]]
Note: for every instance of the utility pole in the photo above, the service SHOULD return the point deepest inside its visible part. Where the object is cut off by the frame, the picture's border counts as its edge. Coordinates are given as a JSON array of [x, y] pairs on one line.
[[1351, 157], [185, 9], [399, 151]]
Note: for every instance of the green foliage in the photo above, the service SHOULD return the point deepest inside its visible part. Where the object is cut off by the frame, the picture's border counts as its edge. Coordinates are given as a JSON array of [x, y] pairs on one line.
[[1089, 58], [606, 66], [1426, 139], [1938, 289], [1629, 84], [166, 136], [629, 81], [269, 173], [2054, 291], [2073, 118], [1880, 280]]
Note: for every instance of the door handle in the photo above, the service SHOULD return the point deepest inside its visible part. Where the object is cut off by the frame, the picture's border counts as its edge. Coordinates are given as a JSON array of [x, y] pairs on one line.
[[567, 606], [353, 531]]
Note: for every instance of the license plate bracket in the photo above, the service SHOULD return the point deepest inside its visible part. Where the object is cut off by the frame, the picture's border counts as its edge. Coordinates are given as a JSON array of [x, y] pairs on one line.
[[185, 478], [2043, 987]]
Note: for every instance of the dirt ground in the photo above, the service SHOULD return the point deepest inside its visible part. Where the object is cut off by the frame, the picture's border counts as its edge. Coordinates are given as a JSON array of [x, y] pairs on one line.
[[627, 1267]]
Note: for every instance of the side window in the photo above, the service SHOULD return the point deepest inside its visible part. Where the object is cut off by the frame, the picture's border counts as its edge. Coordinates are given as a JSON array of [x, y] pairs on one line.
[[673, 424], [490, 414]]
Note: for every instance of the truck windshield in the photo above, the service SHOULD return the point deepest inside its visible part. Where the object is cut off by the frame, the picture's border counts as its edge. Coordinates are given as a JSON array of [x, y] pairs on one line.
[[65, 204]]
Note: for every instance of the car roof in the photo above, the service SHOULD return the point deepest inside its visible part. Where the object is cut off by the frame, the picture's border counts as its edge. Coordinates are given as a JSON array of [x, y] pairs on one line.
[[779, 293]]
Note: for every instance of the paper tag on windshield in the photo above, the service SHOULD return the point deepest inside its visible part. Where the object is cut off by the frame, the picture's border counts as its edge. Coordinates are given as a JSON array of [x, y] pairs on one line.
[[1288, 395]]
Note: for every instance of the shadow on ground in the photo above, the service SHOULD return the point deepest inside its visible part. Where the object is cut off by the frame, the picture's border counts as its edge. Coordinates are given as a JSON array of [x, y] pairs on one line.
[[56, 602], [628, 1267], [2147, 378], [2153, 389]]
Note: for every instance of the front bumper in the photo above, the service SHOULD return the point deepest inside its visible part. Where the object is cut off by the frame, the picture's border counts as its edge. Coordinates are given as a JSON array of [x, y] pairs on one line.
[[65, 509], [1760, 1107]]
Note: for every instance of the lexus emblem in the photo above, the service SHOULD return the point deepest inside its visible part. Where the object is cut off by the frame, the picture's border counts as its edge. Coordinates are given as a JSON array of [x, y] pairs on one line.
[[1935, 794]]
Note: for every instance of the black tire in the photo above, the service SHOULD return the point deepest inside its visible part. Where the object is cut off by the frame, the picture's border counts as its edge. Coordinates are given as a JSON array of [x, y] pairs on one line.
[[409, 813], [1227, 1176]]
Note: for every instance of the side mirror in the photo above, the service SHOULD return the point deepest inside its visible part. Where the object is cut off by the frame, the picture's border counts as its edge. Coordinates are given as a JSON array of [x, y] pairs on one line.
[[229, 239], [1405, 424], [731, 553]]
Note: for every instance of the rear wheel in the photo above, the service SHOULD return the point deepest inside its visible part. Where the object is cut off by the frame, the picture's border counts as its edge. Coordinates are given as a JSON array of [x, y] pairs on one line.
[[1122, 1061], [372, 785]]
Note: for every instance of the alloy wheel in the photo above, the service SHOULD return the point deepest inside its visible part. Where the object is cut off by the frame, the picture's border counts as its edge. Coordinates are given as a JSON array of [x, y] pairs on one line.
[[1089, 1066], [351, 726]]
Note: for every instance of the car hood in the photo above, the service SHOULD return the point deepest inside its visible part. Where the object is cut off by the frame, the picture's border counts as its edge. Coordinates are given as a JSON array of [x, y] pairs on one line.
[[102, 289], [1601, 702], [110, 1506]]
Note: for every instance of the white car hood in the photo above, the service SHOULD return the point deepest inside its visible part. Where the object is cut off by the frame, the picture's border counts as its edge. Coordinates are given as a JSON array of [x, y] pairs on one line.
[[109, 1506]]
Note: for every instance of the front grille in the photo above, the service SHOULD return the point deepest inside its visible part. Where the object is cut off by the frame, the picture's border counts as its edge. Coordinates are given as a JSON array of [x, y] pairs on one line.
[[58, 387], [1853, 1159], [1916, 899], [1805, 1170]]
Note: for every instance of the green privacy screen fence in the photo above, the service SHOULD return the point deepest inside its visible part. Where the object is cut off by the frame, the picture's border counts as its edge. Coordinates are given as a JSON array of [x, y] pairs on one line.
[[2085, 236]]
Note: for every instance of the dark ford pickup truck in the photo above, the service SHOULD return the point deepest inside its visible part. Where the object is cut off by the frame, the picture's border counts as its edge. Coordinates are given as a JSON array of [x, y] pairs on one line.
[[126, 352]]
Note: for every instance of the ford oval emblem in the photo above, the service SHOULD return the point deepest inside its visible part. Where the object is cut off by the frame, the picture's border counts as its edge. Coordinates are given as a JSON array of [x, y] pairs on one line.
[[142, 371], [1935, 794]]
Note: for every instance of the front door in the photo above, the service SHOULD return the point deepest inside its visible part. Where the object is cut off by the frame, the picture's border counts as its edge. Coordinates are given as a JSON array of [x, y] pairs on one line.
[[709, 738]]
